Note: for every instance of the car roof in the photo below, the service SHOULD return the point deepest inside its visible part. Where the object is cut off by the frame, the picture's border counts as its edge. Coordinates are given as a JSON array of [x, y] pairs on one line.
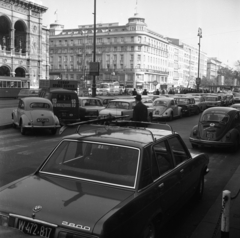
[[35, 99], [88, 98], [124, 100], [122, 135], [61, 90], [163, 99], [222, 109]]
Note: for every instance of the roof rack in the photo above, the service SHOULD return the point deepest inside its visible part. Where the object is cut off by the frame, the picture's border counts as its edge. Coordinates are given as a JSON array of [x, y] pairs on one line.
[[99, 120], [142, 124]]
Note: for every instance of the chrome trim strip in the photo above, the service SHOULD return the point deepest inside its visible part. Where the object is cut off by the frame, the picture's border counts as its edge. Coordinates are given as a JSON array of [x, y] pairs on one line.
[[33, 220], [209, 141], [123, 186]]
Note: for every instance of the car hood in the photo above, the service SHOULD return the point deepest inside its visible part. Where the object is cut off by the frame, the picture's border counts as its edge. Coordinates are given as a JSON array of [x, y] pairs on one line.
[[112, 111], [62, 199], [160, 109]]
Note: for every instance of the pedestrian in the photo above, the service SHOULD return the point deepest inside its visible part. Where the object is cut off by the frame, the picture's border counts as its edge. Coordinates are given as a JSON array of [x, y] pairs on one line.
[[140, 112], [134, 92], [157, 92], [145, 92], [163, 92]]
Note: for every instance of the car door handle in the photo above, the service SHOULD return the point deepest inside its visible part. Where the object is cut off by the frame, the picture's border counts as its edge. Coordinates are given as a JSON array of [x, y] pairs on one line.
[[182, 170], [161, 185]]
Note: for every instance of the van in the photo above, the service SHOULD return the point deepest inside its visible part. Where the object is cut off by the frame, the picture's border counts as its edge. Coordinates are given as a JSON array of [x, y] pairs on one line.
[[65, 104]]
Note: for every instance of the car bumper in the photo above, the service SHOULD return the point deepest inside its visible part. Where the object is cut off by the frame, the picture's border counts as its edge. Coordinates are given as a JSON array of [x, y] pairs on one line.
[[210, 143], [41, 127]]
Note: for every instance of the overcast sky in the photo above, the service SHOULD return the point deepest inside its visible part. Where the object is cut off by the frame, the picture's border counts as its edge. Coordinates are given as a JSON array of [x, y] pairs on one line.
[[219, 20]]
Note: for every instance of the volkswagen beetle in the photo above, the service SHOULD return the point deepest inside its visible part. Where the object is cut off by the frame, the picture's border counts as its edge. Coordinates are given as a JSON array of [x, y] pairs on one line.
[[35, 113], [218, 127]]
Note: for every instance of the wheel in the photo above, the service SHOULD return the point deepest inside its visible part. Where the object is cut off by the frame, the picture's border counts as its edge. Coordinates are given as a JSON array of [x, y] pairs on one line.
[[22, 129], [200, 188], [150, 230], [54, 131]]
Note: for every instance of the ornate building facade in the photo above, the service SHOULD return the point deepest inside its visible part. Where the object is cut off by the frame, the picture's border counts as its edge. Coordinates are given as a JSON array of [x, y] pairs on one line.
[[24, 41], [131, 54]]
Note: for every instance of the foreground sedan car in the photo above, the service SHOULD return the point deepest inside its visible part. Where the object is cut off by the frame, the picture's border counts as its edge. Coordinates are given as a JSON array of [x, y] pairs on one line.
[[35, 113], [219, 127], [166, 108], [106, 181]]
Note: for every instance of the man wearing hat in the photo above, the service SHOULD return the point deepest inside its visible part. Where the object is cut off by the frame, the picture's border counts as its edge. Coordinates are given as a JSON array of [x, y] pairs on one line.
[[140, 112]]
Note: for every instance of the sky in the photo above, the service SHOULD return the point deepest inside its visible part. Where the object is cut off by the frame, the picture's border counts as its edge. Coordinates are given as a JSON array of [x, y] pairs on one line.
[[218, 19]]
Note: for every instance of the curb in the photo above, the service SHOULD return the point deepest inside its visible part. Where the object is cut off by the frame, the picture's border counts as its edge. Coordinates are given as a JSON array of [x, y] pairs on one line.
[[6, 126]]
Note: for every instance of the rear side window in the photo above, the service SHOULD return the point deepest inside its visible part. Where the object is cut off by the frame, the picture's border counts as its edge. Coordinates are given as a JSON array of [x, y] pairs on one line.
[[63, 97]]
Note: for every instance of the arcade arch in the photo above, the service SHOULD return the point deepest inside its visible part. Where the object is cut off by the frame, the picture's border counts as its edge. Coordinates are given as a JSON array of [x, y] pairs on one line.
[[5, 33], [4, 71], [20, 72], [20, 36]]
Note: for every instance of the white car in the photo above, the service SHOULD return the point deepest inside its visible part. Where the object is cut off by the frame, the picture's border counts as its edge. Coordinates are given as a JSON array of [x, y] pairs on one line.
[[35, 113], [166, 108], [122, 107]]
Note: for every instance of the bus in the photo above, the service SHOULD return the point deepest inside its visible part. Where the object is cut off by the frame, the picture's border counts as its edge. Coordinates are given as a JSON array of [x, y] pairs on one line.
[[107, 88], [11, 86]]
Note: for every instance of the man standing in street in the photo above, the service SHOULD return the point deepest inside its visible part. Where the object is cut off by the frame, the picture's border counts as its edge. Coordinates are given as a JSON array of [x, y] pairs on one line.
[[140, 112]]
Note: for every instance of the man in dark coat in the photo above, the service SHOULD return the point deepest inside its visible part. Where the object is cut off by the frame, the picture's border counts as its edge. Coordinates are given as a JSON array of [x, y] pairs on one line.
[[145, 92], [140, 112], [134, 92]]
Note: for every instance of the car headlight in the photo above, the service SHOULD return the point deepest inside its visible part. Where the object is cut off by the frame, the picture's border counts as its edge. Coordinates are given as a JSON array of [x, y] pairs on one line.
[[195, 132], [4, 220]]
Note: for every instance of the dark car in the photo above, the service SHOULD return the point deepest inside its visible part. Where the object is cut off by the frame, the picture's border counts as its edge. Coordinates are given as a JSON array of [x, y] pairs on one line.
[[188, 105], [106, 181], [219, 127]]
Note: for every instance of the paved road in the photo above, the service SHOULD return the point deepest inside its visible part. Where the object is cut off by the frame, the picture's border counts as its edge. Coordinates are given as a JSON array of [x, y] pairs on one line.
[[21, 155]]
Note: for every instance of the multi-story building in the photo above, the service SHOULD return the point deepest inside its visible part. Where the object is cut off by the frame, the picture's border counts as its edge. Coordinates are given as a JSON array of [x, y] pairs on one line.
[[213, 65], [23, 41], [131, 54], [186, 63]]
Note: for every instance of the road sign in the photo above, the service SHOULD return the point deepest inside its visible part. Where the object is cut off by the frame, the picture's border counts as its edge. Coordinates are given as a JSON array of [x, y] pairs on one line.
[[94, 68], [198, 80]]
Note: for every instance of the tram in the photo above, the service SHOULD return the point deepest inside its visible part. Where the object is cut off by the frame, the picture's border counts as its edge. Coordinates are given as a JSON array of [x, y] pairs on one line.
[[10, 86]]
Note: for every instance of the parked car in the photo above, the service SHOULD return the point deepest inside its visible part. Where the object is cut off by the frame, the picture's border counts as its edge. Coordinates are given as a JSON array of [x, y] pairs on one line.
[[213, 100], [187, 104], [217, 127], [106, 181], [65, 104], [236, 97], [236, 105], [200, 102], [166, 108], [122, 107], [106, 99], [35, 113], [92, 106]]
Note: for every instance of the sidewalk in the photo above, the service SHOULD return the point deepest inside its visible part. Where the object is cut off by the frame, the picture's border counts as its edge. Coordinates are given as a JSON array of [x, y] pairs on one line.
[[5, 118], [207, 226]]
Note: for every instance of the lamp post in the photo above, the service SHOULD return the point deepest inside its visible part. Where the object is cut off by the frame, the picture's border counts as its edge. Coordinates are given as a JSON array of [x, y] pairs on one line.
[[94, 51], [198, 80]]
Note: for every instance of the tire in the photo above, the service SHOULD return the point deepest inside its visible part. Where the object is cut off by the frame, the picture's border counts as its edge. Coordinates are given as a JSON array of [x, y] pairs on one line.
[[53, 131], [150, 230], [22, 129], [200, 189]]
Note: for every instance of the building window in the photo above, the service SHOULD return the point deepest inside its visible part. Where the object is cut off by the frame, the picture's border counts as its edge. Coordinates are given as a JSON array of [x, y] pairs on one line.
[[65, 42], [108, 40], [115, 48], [60, 66], [65, 58], [115, 39], [132, 57], [51, 59], [115, 57], [65, 67], [131, 66], [132, 48], [71, 66], [71, 76], [122, 39], [122, 48], [59, 58], [139, 57], [71, 58], [132, 39], [139, 48]]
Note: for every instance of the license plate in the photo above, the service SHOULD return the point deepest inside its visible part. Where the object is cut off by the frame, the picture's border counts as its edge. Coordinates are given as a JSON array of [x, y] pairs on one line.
[[64, 105], [42, 120], [210, 135], [35, 229]]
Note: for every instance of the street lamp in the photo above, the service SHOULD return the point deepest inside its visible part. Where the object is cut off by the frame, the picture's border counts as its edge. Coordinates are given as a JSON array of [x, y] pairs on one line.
[[198, 80]]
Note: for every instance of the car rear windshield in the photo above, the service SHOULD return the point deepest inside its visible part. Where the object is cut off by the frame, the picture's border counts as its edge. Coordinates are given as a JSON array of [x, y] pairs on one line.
[[182, 100], [160, 103], [92, 102], [102, 163], [38, 105], [216, 116]]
